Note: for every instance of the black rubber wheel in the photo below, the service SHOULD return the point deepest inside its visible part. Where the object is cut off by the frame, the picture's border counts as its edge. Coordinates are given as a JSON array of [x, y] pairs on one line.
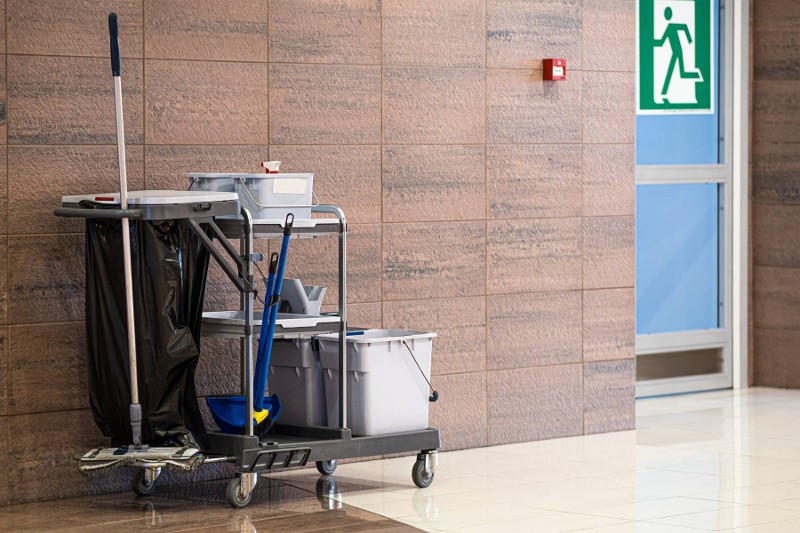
[[326, 487], [234, 496], [420, 479], [140, 485], [327, 468]]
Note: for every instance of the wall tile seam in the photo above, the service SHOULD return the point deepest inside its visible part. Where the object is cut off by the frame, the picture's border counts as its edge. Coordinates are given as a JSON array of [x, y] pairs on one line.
[[464, 373], [776, 267], [486, 211], [763, 203], [7, 437], [73, 145], [511, 369], [756, 327], [87, 409], [38, 324], [55, 234], [486, 137], [146, 59], [73, 56], [761, 264], [375, 144], [529, 219], [382, 192], [144, 95]]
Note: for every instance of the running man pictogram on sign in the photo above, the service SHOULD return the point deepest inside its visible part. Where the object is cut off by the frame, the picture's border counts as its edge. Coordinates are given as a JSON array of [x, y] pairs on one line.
[[675, 56]]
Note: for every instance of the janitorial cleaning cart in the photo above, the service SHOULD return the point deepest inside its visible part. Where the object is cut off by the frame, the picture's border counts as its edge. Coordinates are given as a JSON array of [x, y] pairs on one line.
[[147, 259]]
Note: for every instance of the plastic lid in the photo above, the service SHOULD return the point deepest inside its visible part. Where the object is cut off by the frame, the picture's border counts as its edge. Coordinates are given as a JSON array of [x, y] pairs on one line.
[[378, 335]]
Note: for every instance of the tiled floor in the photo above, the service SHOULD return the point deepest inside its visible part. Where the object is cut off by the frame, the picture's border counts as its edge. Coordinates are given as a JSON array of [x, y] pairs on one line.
[[200, 507], [721, 461]]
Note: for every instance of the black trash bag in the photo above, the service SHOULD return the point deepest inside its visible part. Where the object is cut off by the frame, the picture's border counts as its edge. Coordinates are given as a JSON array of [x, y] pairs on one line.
[[169, 265]]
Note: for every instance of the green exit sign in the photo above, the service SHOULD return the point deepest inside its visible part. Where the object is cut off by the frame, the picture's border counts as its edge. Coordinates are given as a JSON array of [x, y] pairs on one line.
[[675, 57]]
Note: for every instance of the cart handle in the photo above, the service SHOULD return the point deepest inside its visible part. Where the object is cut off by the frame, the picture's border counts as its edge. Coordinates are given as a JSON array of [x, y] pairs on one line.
[[434, 393], [113, 31], [79, 212]]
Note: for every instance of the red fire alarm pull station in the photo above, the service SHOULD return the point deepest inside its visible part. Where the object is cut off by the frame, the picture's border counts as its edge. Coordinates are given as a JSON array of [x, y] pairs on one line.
[[554, 69]]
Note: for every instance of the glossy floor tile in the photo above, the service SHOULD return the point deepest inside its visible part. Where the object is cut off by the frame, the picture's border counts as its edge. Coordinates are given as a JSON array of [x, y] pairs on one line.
[[721, 461], [276, 507]]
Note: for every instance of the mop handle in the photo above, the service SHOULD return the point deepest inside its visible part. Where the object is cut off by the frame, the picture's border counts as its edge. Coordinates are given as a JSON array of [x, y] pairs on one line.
[[265, 318], [274, 300], [116, 70]]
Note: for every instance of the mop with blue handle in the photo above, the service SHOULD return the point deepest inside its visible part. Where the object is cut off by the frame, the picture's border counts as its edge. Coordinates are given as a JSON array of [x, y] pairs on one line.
[[264, 417], [230, 412]]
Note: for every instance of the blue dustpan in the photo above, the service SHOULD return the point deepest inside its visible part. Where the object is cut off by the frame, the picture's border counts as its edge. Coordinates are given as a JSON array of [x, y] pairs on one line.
[[229, 413]]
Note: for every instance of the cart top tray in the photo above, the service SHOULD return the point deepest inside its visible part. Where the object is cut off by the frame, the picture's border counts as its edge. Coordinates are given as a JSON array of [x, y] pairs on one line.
[[161, 205]]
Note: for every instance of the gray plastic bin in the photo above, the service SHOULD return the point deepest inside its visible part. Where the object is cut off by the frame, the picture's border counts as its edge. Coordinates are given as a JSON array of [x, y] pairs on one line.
[[266, 196], [386, 392], [295, 375]]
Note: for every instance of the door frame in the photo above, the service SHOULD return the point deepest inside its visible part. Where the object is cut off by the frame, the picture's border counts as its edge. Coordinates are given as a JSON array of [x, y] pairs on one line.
[[732, 338]]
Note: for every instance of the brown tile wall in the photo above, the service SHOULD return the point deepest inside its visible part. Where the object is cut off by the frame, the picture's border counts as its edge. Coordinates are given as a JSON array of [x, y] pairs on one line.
[[485, 204], [775, 174]]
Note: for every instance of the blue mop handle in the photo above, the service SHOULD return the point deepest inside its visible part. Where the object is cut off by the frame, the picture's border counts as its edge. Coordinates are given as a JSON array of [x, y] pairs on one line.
[[273, 269], [275, 298]]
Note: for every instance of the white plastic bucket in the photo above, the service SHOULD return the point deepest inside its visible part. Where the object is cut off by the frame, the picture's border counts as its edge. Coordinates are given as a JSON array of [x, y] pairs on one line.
[[386, 391]]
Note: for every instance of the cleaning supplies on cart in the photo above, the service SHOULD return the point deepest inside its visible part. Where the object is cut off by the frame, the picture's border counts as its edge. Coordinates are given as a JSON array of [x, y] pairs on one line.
[[295, 375], [301, 299], [144, 310], [268, 196], [230, 412], [388, 378], [100, 460], [273, 167]]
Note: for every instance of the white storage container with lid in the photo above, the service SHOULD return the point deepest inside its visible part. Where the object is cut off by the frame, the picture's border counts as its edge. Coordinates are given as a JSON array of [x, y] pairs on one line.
[[386, 390], [266, 196]]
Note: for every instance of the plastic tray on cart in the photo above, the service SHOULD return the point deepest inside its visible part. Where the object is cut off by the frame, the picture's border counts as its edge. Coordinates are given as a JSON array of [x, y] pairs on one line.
[[231, 324], [153, 205]]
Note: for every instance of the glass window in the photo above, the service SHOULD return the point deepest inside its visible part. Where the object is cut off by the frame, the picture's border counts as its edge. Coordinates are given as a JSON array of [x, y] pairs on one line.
[[677, 257]]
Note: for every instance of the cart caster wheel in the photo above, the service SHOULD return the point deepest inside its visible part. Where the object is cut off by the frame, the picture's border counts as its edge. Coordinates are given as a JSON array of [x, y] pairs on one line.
[[327, 468], [142, 484], [421, 479], [234, 494], [326, 486]]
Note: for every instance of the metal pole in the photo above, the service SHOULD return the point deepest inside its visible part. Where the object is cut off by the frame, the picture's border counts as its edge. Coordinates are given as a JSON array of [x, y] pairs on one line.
[[116, 68], [343, 318], [342, 307], [248, 314]]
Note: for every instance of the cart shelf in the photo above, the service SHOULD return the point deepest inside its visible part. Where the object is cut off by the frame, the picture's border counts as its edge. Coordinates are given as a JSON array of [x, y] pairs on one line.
[[288, 446], [231, 324], [308, 228]]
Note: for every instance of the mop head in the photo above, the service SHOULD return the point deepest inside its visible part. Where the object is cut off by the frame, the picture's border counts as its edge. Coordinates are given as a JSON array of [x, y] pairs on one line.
[[101, 460]]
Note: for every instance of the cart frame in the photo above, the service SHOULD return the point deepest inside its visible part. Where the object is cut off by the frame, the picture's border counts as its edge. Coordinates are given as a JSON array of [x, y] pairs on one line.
[[284, 446]]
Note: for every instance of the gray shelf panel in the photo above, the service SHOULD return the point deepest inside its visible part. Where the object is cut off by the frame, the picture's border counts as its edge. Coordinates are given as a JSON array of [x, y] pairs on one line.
[[230, 324], [306, 228]]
